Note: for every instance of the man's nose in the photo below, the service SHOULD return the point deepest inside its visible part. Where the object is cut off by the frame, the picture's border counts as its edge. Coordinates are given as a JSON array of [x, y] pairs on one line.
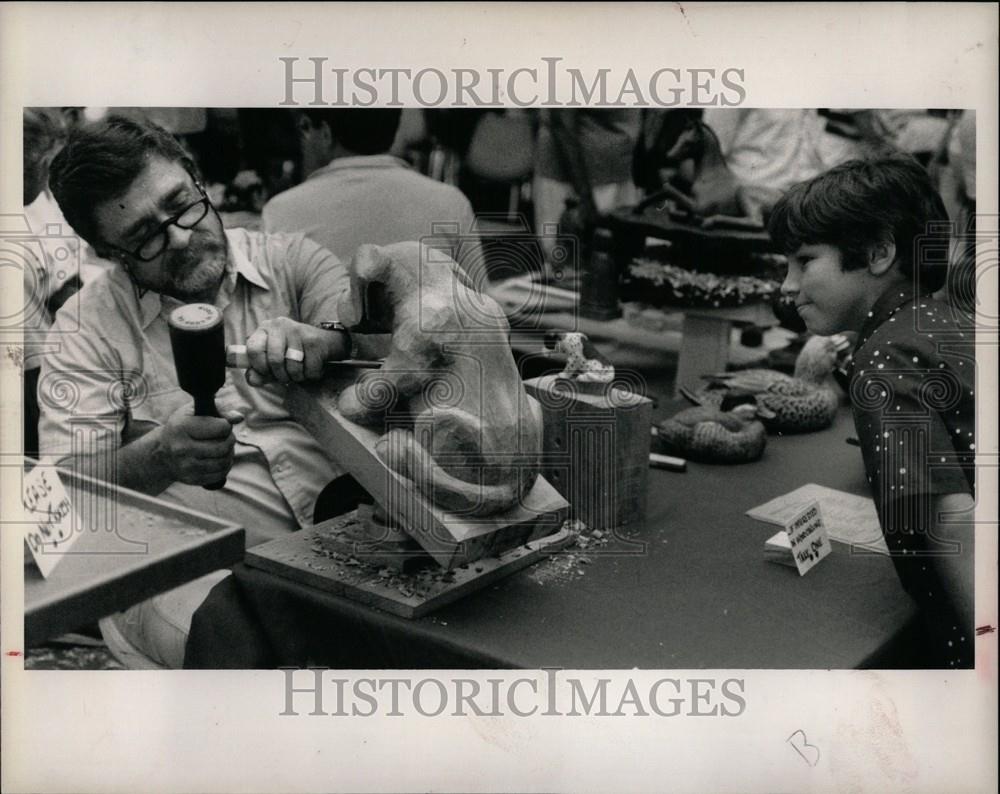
[[178, 237]]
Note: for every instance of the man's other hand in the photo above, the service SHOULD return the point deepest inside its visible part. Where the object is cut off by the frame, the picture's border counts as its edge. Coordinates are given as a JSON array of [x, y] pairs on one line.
[[197, 450]]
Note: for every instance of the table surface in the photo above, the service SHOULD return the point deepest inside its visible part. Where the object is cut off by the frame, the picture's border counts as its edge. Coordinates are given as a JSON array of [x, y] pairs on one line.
[[699, 593], [131, 547]]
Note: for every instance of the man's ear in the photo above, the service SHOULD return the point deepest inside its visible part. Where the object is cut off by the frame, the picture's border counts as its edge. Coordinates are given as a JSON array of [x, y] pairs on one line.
[[881, 257]]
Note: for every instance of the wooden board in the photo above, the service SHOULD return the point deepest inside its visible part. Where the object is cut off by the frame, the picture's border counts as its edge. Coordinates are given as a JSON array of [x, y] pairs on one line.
[[304, 558], [451, 540], [131, 548], [596, 450]]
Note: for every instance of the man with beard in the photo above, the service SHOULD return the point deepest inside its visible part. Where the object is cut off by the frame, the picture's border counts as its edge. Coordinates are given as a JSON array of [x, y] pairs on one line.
[[111, 403]]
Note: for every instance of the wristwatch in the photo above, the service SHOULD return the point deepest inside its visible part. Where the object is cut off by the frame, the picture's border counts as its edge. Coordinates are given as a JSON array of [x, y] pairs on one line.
[[335, 326]]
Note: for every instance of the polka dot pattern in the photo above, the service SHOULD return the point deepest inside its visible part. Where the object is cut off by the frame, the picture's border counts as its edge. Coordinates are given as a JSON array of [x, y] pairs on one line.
[[913, 449]]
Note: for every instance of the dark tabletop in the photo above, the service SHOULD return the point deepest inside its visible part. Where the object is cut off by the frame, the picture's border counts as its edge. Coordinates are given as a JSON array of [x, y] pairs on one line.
[[692, 590]]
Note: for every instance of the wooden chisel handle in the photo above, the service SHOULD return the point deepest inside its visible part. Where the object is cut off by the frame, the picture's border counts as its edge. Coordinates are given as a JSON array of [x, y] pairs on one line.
[[236, 356]]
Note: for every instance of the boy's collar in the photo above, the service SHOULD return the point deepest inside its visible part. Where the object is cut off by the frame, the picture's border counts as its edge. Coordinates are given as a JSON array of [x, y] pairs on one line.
[[895, 296]]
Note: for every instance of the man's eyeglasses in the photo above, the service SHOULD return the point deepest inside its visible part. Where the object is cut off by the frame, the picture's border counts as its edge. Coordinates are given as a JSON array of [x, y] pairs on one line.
[[154, 245]]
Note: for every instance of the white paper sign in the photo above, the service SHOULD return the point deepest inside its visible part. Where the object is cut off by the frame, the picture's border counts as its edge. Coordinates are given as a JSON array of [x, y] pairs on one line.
[[807, 537], [49, 533], [848, 518]]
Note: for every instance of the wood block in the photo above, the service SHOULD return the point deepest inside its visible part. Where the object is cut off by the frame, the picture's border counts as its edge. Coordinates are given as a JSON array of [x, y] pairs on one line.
[[306, 557], [450, 539], [596, 450]]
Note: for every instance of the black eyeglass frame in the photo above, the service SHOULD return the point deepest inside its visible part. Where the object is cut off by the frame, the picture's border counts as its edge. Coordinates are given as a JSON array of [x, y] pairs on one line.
[[161, 230]]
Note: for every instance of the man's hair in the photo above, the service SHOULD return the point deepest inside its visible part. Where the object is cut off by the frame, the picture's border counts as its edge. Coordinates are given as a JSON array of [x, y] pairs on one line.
[[44, 132], [361, 130], [861, 203], [101, 160]]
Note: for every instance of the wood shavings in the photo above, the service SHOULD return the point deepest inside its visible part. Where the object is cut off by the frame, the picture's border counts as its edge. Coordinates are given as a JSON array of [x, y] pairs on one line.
[[567, 564]]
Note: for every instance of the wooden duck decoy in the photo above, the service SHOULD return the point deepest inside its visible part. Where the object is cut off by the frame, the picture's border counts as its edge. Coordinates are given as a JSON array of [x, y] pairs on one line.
[[803, 402], [709, 435]]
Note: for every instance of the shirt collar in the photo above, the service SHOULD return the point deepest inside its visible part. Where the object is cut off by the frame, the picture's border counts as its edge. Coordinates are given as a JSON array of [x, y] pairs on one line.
[[887, 304], [238, 264], [359, 161]]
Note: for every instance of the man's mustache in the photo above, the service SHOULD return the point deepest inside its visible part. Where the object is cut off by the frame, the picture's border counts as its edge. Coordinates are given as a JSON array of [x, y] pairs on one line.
[[197, 251]]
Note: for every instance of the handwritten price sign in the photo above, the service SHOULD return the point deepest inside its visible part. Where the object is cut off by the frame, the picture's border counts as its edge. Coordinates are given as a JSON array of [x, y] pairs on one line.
[[807, 537], [49, 533]]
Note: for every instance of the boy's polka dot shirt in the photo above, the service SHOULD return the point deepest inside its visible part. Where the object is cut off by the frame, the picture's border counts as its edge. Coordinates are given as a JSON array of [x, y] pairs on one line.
[[912, 389]]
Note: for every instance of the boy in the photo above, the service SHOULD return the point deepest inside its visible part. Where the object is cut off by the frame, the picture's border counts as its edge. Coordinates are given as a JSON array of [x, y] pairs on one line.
[[861, 240]]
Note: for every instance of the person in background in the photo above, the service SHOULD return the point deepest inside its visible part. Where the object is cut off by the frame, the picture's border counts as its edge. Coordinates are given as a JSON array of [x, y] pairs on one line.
[[56, 265], [767, 151], [355, 192], [583, 155], [131, 191], [957, 183], [861, 241]]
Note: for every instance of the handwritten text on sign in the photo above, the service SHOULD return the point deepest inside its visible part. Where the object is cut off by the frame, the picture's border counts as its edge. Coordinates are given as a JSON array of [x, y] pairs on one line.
[[49, 533], [808, 538]]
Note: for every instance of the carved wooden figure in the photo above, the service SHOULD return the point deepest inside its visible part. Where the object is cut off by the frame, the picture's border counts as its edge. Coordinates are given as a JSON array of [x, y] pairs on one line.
[[449, 404]]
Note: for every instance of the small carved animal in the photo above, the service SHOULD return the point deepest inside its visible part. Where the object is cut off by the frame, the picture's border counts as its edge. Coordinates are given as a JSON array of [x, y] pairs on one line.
[[456, 418], [799, 403], [584, 362], [713, 194], [714, 190]]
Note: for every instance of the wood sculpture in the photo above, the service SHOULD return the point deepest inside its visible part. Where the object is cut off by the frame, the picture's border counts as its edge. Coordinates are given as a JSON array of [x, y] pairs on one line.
[[448, 401], [712, 193], [708, 435], [803, 402], [584, 362]]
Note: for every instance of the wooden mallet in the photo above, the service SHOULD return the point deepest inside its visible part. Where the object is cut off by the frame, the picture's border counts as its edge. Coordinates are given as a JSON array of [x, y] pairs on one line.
[[198, 339]]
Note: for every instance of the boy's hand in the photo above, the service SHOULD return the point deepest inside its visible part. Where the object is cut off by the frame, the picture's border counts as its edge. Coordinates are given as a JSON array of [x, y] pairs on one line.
[[197, 450]]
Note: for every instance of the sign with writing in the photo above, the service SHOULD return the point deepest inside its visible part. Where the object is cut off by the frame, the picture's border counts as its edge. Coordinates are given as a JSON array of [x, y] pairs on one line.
[[848, 518], [807, 538], [49, 532]]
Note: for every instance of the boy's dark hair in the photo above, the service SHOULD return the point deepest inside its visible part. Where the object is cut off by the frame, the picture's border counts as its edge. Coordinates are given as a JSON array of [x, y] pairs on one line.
[[361, 130], [101, 160], [860, 203]]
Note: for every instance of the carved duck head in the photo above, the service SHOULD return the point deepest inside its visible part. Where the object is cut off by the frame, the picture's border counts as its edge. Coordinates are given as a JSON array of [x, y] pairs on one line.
[[819, 357]]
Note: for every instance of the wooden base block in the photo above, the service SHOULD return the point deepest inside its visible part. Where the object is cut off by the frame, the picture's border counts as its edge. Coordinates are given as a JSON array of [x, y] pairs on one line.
[[309, 557], [450, 539], [596, 449], [352, 535]]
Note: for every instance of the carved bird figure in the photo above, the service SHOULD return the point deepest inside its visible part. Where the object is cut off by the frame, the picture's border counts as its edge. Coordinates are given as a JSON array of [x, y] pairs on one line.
[[711, 436], [803, 402], [584, 362]]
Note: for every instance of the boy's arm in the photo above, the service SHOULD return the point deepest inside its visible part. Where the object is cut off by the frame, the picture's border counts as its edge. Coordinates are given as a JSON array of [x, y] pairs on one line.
[[954, 523]]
